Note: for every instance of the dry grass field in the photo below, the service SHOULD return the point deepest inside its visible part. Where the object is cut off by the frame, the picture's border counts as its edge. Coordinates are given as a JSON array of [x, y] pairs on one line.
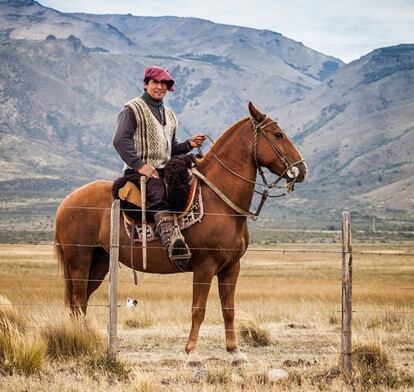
[[292, 296]]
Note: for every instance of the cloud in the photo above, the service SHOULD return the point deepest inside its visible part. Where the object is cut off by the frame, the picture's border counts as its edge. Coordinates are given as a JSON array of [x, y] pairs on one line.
[[344, 29]]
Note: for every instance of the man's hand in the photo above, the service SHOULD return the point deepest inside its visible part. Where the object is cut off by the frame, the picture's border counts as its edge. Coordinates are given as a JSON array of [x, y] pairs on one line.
[[149, 171], [197, 140]]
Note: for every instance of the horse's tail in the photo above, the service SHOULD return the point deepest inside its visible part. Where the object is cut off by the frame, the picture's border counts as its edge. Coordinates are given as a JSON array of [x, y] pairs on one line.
[[63, 266]]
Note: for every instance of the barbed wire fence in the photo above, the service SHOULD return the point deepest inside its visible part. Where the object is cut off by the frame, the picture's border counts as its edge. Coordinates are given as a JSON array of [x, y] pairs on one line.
[[346, 311], [34, 224]]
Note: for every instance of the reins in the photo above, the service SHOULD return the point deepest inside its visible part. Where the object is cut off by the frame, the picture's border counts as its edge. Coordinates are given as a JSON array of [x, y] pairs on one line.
[[266, 186], [223, 197]]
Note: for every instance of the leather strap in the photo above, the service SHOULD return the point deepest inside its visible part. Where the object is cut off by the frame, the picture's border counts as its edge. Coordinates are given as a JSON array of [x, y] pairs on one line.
[[131, 243], [223, 197]]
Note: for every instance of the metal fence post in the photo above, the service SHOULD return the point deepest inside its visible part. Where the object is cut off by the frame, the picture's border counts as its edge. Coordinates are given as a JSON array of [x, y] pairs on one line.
[[113, 281], [346, 352]]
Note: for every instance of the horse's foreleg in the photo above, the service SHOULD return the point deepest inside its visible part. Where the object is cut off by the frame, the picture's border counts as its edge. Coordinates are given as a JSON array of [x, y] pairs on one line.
[[201, 287], [227, 280]]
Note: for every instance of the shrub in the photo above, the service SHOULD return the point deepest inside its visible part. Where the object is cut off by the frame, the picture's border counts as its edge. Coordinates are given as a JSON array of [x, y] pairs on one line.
[[9, 316], [21, 353], [254, 335], [72, 336], [117, 369], [144, 384], [219, 376], [373, 368], [139, 321]]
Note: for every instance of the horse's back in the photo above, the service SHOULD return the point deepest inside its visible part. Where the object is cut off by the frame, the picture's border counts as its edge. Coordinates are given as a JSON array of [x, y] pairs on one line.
[[82, 212], [95, 194]]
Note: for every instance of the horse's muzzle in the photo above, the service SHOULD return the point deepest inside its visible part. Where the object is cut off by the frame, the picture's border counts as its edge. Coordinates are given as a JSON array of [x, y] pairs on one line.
[[303, 170]]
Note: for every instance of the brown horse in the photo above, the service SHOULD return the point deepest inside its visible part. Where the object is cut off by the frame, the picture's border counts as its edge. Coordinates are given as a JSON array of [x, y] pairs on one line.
[[217, 243]]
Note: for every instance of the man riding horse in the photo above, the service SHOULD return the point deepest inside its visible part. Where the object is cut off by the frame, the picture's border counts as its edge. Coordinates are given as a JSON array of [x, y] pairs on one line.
[[145, 139]]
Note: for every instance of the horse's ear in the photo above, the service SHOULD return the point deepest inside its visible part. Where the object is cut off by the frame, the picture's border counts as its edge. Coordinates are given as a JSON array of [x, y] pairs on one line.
[[256, 114]]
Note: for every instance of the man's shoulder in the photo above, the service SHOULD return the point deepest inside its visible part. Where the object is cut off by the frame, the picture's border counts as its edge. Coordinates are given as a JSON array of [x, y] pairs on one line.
[[127, 114], [125, 110], [134, 101]]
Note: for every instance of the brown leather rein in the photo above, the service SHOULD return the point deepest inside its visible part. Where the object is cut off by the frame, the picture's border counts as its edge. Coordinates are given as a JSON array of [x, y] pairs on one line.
[[266, 186]]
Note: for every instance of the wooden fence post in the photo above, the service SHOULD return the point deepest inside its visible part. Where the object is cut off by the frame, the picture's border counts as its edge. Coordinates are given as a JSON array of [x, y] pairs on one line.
[[113, 281], [346, 352]]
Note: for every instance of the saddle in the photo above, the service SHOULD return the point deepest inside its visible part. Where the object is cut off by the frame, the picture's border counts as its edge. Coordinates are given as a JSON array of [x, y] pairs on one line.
[[192, 214], [182, 191], [177, 179], [183, 195], [131, 194]]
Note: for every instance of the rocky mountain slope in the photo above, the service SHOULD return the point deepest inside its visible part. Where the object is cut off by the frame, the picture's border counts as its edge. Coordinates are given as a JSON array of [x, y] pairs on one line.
[[357, 131], [64, 77]]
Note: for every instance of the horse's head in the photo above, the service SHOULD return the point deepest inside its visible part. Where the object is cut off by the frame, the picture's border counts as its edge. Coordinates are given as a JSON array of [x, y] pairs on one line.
[[274, 150]]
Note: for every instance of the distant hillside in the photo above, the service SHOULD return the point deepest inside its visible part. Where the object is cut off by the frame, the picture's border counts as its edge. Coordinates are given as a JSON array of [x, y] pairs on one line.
[[64, 78], [67, 76], [357, 132], [229, 46]]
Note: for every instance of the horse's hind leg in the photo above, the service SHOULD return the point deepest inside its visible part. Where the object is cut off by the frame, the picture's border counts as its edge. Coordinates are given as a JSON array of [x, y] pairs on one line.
[[98, 270], [78, 263], [227, 280]]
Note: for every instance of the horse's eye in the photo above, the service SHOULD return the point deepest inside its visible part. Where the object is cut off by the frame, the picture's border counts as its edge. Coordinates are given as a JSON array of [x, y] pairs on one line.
[[278, 135]]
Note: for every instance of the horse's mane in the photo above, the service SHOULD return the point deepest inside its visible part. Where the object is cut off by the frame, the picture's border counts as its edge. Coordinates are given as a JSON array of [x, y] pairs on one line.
[[221, 140]]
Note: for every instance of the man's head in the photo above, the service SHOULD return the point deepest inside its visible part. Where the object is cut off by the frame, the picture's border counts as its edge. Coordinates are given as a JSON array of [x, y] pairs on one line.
[[157, 81]]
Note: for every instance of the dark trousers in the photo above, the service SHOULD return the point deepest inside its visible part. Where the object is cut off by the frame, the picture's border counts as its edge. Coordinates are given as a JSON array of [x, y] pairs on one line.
[[156, 191]]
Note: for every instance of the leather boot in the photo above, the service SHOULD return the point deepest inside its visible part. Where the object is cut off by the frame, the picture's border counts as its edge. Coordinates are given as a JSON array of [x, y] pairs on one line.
[[172, 240]]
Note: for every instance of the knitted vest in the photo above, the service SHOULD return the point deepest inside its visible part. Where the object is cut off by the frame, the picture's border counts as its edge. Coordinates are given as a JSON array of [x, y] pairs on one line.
[[152, 140]]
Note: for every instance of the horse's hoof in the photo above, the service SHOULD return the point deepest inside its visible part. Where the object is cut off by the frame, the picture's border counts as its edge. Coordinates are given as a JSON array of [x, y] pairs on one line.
[[237, 358], [193, 360]]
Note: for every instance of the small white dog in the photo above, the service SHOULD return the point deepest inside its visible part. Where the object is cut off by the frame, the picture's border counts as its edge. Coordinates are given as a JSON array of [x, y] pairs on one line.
[[131, 303]]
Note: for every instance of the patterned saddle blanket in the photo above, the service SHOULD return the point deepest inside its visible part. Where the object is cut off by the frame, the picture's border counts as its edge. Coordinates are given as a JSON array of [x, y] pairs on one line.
[[193, 213]]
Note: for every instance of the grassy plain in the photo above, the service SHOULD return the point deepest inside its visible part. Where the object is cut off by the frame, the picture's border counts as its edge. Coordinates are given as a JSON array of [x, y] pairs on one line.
[[293, 291]]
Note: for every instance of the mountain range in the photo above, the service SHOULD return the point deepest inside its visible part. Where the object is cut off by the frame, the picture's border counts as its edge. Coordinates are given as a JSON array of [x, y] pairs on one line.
[[64, 78], [357, 130]]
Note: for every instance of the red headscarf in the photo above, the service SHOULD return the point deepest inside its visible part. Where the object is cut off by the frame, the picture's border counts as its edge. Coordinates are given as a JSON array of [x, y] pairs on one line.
[[159, 74]]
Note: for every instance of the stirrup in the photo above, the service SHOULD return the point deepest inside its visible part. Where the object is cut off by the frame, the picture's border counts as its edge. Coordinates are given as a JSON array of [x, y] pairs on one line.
[[178, 248], [172, 240]]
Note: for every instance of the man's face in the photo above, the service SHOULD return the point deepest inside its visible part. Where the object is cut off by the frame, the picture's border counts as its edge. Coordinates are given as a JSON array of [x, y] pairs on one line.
[[156, 89]]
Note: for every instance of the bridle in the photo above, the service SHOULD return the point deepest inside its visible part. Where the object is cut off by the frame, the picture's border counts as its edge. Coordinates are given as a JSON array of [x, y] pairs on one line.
[[290, 170]]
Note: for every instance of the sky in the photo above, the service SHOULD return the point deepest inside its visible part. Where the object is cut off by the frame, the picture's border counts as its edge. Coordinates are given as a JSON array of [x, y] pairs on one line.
[[346, 29]]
